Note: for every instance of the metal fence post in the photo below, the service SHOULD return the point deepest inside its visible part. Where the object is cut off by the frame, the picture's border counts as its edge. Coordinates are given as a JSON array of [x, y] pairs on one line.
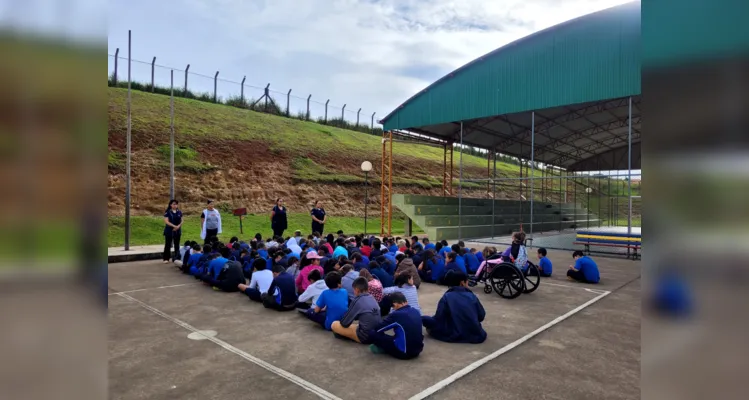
[[343, 109], [288, 97], [326, 111], [241, 95], [116, 57], [215, 87], [307, 115], [357, 117], [267, 96], [186, 71], [372, 126], [153, 67]]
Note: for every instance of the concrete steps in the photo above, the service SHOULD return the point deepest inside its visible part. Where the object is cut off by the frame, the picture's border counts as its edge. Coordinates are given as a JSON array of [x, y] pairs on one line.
[[439, 216]]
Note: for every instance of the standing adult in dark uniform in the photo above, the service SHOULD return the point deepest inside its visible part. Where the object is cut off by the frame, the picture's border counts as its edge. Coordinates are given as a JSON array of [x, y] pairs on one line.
[[278, 220], [318, 218], [172, 230]]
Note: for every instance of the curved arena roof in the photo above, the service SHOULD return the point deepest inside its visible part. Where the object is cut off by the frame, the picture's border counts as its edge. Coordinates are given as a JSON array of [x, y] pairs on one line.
[[578, 78]]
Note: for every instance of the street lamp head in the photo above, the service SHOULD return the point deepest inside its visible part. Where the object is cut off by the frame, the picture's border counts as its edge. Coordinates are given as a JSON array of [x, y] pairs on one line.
[[366, 166], [588, 190]]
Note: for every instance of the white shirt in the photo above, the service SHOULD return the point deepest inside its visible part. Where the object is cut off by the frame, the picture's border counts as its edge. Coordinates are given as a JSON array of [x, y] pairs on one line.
[[261, 280], [313, 291]]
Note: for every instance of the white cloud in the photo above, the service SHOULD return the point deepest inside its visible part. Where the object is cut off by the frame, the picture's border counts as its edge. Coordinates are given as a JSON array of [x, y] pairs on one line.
[[372, 54]]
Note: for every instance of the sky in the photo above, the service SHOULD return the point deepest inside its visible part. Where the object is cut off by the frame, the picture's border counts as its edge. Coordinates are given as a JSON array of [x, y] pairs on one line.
[[372, 54]]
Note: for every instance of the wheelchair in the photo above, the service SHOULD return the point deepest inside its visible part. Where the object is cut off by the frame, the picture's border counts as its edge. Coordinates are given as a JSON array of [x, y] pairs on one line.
[[508, 281]]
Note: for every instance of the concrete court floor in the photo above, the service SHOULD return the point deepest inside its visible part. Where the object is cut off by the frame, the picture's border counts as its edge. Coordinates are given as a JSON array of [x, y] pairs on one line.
[[258, 353]]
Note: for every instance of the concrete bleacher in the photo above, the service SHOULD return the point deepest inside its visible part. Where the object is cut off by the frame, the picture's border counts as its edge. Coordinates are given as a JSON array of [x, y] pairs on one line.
[[439, 216]]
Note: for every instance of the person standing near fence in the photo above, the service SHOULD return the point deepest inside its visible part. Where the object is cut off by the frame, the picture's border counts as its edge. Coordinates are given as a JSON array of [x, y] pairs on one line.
[[172, 230], [278, 220], [210, 222], [318, 218]]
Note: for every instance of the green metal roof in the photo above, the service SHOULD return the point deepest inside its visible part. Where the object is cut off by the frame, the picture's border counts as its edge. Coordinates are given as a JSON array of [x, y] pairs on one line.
[[592, 58]]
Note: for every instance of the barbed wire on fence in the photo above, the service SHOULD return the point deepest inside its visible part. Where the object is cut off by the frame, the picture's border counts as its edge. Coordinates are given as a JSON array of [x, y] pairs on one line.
[[214, 89]]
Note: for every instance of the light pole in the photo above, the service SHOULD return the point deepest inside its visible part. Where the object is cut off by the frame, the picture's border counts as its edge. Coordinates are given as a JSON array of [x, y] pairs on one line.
[[366, 166], [588, 190]]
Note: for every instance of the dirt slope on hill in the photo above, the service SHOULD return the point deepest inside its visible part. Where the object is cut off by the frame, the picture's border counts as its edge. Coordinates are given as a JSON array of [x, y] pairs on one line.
[[247, 159]]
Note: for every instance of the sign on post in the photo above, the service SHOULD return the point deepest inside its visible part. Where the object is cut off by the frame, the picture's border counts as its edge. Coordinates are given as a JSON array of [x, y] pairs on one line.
[[240, 212]]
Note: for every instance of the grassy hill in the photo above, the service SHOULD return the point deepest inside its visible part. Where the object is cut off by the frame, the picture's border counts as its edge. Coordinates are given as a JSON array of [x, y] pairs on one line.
[[243, 158]]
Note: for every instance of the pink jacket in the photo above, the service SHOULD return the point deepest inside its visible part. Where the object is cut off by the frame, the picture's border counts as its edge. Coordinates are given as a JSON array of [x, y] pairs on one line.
[[302, 282]]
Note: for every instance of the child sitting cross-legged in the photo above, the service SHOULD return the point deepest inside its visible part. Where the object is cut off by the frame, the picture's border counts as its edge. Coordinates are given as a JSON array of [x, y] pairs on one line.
[[404, 283], [332, 303], [261, 281], [459, 314], [316, 286], [364, 310], [407, 340], [284, 288]]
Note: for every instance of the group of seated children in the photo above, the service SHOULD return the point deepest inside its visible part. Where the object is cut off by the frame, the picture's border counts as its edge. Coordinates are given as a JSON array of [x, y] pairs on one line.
[[371, 302]]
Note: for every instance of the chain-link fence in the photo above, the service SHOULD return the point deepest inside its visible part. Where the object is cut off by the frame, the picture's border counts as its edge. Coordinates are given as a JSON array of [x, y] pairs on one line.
[[152, 77]]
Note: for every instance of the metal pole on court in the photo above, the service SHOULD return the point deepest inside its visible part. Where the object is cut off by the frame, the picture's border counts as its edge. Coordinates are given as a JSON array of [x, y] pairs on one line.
[[460, 187], [533, 167], [494, 190], [129, 127], [629, 169], [171, 139]]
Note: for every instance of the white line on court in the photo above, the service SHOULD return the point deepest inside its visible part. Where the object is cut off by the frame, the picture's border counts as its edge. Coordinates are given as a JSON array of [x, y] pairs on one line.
[[474, 365], [160, 287], [320, 392]]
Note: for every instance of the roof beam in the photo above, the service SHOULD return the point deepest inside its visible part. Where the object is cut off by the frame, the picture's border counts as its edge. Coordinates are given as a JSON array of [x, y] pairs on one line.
[[596, 129], [569, 116], [612, 143]]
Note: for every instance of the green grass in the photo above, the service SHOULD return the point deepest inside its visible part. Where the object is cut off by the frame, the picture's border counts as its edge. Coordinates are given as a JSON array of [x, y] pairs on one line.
[[115, 160], [185, 159], [145, 230], [195, 119]]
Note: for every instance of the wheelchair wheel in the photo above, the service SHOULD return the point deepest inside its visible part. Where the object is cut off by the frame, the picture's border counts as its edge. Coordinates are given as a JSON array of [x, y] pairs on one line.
[[507, 281], [532, 281], [487, 289]]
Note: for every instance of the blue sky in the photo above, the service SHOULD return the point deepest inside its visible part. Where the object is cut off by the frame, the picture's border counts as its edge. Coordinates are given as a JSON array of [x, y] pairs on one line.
[[372, 54]]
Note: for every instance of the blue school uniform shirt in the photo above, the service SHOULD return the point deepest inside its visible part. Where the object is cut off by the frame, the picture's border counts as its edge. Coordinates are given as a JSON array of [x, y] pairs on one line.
[[193, 260], [479, 257], [461, 262], [438, 268], [286, 293], [391, 261], [452, 266], [545, 264], [589, 268], [383, 276], [361, 264], [263, 253], [393, 248], [471, 262], [409, 320], [336, 301], [458, 318], [215, 267], [340, 251], [444, 250], [429, 246]]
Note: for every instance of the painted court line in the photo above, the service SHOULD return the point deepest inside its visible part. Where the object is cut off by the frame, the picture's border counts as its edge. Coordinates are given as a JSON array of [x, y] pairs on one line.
[[160, 287], [320, 392], [476, 364]]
